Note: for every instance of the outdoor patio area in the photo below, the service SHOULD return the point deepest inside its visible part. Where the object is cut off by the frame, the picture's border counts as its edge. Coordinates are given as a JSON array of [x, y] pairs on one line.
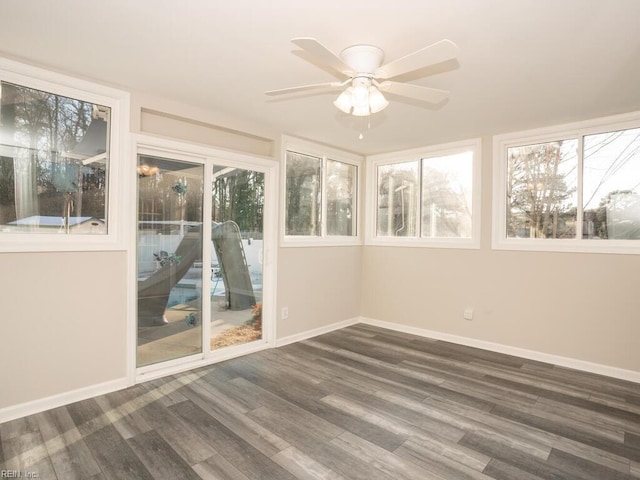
[[179, 337]]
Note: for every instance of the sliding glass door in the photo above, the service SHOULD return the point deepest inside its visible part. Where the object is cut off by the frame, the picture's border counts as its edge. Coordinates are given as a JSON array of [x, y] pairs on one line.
[[170, 239], [200, 251]]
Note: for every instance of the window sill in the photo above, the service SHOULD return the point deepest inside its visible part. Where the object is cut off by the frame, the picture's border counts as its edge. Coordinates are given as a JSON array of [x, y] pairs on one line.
[[462, 243], [569, 246], [292, 241], [59, 243]]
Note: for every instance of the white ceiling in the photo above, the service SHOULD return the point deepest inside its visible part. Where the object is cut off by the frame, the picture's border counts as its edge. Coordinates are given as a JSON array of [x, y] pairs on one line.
[[523, 63]]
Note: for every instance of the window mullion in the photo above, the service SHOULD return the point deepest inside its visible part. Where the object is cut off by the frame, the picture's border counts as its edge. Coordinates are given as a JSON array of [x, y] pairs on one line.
[[580, 206], [323, 198], [207, 216], [419, 206]]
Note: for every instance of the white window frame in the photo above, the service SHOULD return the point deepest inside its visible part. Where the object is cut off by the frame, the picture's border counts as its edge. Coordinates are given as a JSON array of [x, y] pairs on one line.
[[207, 156], [324, 153], [117, 214], [569, 131], [417, 155]]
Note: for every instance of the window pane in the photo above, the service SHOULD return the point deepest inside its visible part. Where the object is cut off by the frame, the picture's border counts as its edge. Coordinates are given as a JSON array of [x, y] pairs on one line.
[[446, 196], [169, 258], [611, 185], [341, 198], [542, 190], [237, 257], [397, 199], [54, 160], [304, 178]]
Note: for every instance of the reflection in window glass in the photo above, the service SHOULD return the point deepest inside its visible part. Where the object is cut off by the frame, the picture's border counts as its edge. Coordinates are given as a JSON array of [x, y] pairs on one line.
[[169, 259], [398, 193], [237, 256], [54, 156], [446, 196], [542, 190], [304, 194], [341, 198], [611, 180]]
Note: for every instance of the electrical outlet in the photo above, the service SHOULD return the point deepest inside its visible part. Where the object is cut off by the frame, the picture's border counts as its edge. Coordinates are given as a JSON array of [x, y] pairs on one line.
[[467, 314], [285, 313]]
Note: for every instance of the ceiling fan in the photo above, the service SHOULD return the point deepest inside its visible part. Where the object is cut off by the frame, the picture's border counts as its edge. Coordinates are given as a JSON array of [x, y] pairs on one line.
[[365, 78]]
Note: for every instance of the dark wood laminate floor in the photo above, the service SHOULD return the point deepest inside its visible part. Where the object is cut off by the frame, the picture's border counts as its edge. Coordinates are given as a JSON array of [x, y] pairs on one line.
[[360, 403]]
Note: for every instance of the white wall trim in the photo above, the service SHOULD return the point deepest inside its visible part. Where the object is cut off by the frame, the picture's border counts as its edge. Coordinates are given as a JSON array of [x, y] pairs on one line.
[[40, 405], [29, 408], [614, 372], [298, 337]]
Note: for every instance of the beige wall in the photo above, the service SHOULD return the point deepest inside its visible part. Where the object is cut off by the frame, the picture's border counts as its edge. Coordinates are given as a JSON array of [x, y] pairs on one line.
[[168, 119], [582, 306], [63, 324], [574, 305], [319, 285]]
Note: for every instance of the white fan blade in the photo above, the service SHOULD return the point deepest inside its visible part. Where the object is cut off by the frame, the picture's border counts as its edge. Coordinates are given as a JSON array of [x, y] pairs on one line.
[[437, 53], [424, 94], [304, 88], [323, 54]]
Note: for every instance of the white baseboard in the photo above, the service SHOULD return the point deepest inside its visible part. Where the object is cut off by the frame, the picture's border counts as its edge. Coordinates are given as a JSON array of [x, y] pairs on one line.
[[630, 375], [40, 405], [316, 331], [17, 411], [55, 401]]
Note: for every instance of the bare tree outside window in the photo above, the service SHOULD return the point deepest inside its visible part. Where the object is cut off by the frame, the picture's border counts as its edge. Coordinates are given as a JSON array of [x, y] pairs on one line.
[[54, 156], [542, 190], [238, 195], [303, 194], [341, 198], [446, 196]]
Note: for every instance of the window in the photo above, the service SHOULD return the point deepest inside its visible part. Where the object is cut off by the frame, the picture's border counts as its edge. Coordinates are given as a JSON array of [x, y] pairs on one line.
[[321, 189], [58, 142], [447, 186], [398, 194], [341, 198], [53, 167], [542, 190], [573, 188], [426, 197], [304, 194]]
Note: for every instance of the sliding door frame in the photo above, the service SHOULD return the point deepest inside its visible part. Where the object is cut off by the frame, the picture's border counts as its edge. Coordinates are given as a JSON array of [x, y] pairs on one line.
[[207, 156]]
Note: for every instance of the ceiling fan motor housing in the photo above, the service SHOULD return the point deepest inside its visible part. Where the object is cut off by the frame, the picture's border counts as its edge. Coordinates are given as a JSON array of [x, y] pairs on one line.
[[363, 58]]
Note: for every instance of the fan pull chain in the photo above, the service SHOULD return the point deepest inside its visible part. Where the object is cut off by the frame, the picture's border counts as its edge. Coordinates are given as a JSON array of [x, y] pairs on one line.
[[361, 136]]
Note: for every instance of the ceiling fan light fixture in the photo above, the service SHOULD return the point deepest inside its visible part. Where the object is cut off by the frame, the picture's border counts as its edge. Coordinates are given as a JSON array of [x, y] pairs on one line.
[[360, 93], [362, 98], [343, 102], [377, 102]]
